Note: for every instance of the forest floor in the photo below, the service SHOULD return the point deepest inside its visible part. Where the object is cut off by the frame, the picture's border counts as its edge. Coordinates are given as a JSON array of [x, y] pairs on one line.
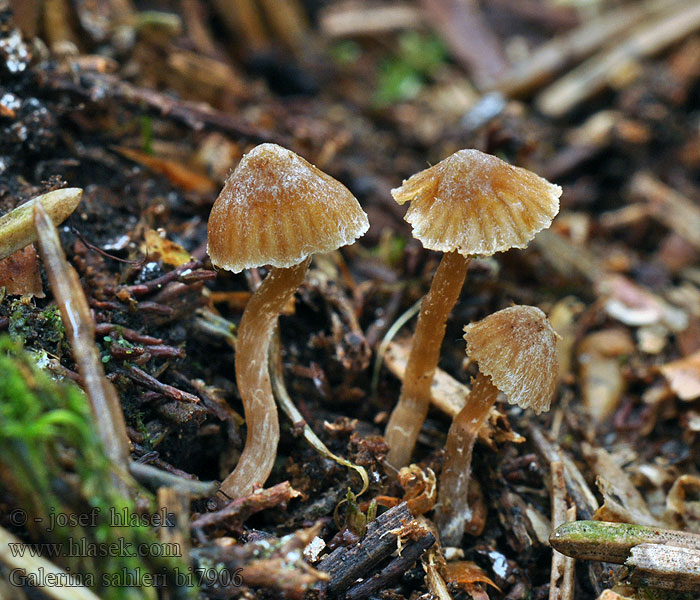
[[148, 106]]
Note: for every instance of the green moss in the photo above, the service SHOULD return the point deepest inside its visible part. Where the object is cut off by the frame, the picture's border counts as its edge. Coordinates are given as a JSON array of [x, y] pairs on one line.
[[30, 325], [402, 76], [53, 464]]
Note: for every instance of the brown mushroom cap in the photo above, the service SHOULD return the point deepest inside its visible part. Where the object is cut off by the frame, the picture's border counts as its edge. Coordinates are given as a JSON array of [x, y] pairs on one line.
[[475, 203], [517, 348], [276, 209]]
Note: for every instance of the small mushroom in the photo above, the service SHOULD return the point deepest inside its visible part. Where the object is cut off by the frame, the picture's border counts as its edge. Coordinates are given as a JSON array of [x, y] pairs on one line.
[[470, 203], [275, 209], [516, 350]]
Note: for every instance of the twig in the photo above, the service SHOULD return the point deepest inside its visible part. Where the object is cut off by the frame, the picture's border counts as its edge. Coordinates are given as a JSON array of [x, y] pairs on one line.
[[397, 567], [612, 542], [40, 568], [674, 210], [17, 226], [155, 478], [471, 42], [586, 503], [187, 273], [80, 328], [593, 75], [98, 86], [550, 58], [127, 334], [157, 386], [664, 567], [345, 565], [175, 502], [235, 513], [352, 19], [561, 581]]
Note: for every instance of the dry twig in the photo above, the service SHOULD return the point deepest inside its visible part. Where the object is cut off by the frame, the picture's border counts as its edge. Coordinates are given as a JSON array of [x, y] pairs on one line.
[[80, 327]]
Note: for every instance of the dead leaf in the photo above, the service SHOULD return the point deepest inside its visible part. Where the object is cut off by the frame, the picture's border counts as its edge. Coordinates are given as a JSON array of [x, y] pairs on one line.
[[683, 503], [602, 382], [157, 246], [683, 376], [178, 174], [466, 573], [20, 275]]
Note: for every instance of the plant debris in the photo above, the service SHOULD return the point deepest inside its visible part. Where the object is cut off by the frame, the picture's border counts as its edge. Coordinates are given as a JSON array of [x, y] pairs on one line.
[[121, 121]]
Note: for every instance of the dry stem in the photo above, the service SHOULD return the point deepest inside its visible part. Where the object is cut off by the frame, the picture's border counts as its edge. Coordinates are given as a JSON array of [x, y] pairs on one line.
[[77, 319]]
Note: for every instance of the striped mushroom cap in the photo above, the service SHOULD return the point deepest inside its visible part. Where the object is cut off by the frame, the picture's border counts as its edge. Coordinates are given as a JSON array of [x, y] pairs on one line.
[[517, 348], [276, 209], [475, 203]]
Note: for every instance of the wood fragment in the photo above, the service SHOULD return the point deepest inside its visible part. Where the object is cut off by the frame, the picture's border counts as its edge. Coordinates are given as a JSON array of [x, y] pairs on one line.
[[346, 565], [289, 23], [58, 28], [155, 478], [623, 501], [347, 19], [40, 568], [446, 393], [175, 503], [561, 581], [469, 38], [243, 19], [152, 383], [581, 494], [666, 205], [664, 567], [612, 542], [601, 377], [565, 257], [17, 226], [195, 18], [593, 75], [80, 328], [178, 174], [550, 58], [235, 513], [100, 86], [397, 567]]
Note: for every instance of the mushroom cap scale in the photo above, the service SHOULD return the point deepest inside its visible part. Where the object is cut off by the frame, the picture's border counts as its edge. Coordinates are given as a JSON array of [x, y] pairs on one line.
[[517, 348], [475, 203], [276, 209]]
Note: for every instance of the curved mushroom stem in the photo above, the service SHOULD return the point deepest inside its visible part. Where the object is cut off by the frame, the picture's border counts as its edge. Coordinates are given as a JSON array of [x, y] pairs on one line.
[[410, 412], [452, 511], [253, 379]]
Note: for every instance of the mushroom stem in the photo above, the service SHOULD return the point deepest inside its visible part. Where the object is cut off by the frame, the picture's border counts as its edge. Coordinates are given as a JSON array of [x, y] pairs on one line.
[[452, 511], [253, 379], [410, 412]]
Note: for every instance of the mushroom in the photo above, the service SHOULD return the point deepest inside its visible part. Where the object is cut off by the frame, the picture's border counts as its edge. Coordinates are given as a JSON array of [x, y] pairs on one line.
[[516, 349], [274, 209], [470, 203]]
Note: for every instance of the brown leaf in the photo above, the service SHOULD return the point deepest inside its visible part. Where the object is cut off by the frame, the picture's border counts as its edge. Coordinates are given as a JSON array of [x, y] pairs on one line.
[[20, 275], [178, 174], [465, 573], [683, 376]]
